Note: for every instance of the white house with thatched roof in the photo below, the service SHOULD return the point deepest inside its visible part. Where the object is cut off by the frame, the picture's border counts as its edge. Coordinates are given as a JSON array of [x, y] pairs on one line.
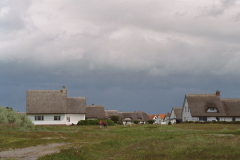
[[176, 115], [53, 107], [130, 117], [210, 107]]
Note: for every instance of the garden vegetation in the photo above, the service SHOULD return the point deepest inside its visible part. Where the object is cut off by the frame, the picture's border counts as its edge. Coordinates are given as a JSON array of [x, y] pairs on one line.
[[138, 142], [9, 118]]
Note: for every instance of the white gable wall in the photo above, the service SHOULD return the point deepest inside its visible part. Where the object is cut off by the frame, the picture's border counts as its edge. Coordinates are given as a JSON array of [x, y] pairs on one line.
[[173, 115], [186, 113]]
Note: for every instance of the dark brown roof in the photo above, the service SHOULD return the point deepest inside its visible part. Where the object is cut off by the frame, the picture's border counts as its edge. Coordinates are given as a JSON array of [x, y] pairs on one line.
[[178, 112], [110, 113], [95, 111], [232, 106], [200, 103], [142, 116], [53, 101]]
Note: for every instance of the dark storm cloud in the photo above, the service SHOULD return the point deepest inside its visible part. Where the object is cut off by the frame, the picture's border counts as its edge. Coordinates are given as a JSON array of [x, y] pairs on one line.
[[126, 55]]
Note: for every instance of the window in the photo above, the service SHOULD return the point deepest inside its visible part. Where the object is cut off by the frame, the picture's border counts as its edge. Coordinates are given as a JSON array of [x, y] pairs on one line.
[[184, 118], [39, 118], [185, 109], [233, 119], [188, 109], [57, 118], [212, 109], [202, 118]]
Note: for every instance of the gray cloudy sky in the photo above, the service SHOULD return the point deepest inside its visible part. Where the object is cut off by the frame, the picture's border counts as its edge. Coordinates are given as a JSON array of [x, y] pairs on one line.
[[125, 55]]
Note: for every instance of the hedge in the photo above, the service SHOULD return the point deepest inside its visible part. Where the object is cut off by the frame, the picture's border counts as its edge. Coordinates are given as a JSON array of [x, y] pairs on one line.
[[95, 122], [213, 122]]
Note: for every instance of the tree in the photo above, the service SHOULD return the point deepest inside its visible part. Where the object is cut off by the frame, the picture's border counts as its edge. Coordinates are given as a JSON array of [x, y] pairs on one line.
[[114, 118]]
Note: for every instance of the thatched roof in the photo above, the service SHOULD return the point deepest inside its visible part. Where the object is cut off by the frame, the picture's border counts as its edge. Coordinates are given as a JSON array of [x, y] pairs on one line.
[[168, 114], [53, 102], [232, 106], [76, 105], [132, 116], [109, 113], [178, 112], [95, 111], [200, 103]]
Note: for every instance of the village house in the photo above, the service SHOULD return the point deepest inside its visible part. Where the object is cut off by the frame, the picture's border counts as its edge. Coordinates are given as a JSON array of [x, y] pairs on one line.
[[53, 107], [153, 117], [130, 117], [95, 112], [176, 115], [167, 117], [210, 107], [160, 119]]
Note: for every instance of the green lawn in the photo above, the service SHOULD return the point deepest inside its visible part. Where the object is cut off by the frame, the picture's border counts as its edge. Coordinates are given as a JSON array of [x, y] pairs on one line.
[[182, 141]]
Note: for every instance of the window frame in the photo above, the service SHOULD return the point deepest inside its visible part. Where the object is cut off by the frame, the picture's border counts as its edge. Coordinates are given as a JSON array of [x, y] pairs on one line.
[[39, 118], [57, 118]]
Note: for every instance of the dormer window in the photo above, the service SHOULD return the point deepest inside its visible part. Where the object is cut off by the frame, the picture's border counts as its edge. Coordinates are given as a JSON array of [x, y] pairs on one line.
[[212, 109]]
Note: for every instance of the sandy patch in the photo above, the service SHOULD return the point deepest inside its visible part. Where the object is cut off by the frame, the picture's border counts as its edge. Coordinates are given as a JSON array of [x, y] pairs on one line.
[[32, 153]]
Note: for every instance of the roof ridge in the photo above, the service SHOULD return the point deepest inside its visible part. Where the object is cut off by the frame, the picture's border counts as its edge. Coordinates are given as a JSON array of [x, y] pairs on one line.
[[207, 95], [230, 99]]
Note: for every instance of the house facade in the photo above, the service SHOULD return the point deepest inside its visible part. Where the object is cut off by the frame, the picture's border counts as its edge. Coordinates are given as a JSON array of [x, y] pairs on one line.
[[160, 119], [210, 107], [130, 117], [176, 115], [53, 107]]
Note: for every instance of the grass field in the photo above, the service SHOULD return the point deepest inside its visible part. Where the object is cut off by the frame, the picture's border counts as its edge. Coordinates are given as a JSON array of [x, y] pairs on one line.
[[182, 141]]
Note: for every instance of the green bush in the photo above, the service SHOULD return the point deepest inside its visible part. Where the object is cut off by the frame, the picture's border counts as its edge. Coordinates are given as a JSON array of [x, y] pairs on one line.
[[114, 118], [95, 122], [136, 122], [169, 123], [10, 117], [151, 121]]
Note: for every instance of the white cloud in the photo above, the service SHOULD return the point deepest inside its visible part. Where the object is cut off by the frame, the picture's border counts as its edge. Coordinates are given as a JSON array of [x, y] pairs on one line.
[[159, 38]]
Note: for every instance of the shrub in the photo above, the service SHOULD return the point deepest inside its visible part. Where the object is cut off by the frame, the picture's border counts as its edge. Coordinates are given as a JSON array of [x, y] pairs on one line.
[[169, 123], [95, 122], [151, 121], [10, 117], [136, 122], [114, 118]]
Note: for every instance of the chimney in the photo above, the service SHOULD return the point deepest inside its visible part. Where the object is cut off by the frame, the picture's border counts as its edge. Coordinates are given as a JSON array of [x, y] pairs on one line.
[[217, 93], [64, 91]]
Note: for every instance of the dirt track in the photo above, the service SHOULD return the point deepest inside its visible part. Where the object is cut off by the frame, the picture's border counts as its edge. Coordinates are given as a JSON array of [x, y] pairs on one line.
[[32, 153]]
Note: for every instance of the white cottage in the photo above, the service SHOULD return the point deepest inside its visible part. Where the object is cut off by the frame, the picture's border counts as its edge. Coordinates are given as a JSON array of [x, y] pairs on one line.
[[210, 107], [53, 107]]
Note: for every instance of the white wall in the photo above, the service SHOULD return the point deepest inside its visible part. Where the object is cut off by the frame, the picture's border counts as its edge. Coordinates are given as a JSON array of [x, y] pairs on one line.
[[186, 112], [49, 119], [74, 118], [229, 119], [211, 118], [237, 119], [173, 115]]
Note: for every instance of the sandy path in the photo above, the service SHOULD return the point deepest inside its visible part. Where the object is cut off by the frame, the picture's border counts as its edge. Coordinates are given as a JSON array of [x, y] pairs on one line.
[[32, 153]]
